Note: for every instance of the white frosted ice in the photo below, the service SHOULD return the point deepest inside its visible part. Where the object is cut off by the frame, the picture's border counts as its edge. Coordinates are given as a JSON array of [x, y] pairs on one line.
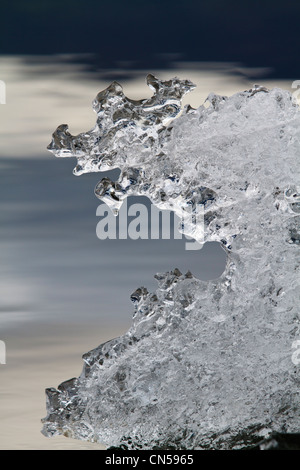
[[204, 364]]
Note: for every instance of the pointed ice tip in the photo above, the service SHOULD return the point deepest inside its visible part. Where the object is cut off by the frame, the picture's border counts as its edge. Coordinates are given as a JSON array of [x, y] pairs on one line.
[[114, 89], [52, 146], [177, 272], [189, 275], [61, 128], [152, 81]]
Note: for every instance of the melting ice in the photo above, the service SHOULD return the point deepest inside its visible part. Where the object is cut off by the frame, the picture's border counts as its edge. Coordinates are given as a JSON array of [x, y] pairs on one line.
[[204, 364]]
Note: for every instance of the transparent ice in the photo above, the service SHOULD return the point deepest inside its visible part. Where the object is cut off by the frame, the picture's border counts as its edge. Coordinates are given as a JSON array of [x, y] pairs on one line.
[[204, 364]]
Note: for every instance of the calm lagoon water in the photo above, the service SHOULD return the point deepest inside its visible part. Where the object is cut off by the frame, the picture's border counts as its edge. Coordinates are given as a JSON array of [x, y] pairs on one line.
[[63, 291]]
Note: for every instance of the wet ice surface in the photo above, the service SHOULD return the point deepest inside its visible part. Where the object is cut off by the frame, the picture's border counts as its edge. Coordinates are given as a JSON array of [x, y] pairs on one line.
[[204, 364], [44, 287]]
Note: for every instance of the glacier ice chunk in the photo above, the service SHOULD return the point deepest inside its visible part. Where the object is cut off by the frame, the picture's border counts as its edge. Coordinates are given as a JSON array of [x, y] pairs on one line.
[[204, 364]]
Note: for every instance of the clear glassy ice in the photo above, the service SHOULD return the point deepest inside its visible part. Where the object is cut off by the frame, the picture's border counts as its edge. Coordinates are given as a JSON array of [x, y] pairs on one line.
[[204, 364]]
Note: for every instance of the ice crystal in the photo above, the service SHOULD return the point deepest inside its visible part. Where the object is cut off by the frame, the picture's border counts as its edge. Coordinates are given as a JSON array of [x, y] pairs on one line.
[[204, 364]]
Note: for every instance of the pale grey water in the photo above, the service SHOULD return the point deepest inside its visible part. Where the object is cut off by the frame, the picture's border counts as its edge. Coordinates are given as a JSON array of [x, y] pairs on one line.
[[50, 248], [63, 291]]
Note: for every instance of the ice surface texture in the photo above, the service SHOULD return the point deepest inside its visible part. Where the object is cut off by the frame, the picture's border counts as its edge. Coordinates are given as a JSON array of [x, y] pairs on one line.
[[204, 364]]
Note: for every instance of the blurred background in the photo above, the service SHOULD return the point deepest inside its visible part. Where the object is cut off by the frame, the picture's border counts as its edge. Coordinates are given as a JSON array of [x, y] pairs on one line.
[[62, 290]]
